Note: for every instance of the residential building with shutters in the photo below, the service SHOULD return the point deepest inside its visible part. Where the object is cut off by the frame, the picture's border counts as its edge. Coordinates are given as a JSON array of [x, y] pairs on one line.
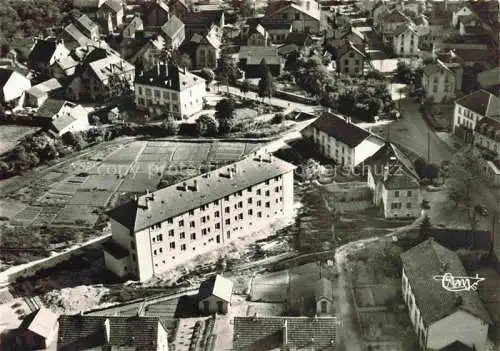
[[169, 89], [160, 230], [487, 147], [438, 81]]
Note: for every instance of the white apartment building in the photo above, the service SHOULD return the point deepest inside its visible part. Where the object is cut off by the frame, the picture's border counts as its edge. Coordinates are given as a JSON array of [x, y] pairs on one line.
[[169, 89], [342, 141], [440, 317], [470, 109], [438, 81], [487, 146], [166, 228], [405, 41]]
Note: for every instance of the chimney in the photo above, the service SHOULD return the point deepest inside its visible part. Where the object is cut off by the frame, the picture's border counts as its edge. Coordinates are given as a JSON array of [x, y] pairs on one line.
[[386, 173], [285, 333], [107, 330], [184, 186], [195, 186]]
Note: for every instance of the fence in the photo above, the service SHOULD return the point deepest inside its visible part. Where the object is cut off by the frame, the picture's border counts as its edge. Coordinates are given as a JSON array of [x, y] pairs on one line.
[[303, 259], [285, 95]]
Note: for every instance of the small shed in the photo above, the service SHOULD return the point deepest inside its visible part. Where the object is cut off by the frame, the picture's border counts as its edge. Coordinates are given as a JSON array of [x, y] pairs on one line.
[[214, 295], [37, 330], [324, 297]]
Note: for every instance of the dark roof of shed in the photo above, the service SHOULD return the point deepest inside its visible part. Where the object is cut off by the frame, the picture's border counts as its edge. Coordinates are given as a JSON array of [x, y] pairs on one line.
[[43, 51], [340, 129]]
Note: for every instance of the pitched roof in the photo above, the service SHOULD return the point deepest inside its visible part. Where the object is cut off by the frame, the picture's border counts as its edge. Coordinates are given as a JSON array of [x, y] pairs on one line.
[[44, 88], [172, 27], [489, 127], [395, 16], [348, 47], [473, 55], [68, 64], [489, 78], [168, 76], [114, 5], [457, 346], [267, 333], [324, 289], [77, 35], [426, 260], [455, 239], [5, 74], [337, 127], [82, 332], [156, 4], [86, 23], [51, 107], [175, 200], [41, 322], [255, 54], [269, 23], [403, 29], [217, 286], [68, 116], [202, 18], [108, 66], [313, 10], [285, 49], [43, 51], [297, 38], [436, 67], [481, 102], [257, 28]]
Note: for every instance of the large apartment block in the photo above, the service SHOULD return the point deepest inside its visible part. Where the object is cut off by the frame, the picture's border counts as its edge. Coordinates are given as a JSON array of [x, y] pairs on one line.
[[163, 229]]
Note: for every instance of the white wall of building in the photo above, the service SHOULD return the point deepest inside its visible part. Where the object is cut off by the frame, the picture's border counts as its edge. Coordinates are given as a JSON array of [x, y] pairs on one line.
[[401, 203], [461, 326], [464, 117], [15, 87], [439, 86], [213, 305], [406, 44], [117, 266]]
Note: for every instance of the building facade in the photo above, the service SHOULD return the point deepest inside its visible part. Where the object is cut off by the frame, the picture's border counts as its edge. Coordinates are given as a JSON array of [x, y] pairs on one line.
[[487, 147], [470, 109], [405, 41], [304, 15], [214, 295], [169, 89], [438, 81], [351, 60], [166, 228]]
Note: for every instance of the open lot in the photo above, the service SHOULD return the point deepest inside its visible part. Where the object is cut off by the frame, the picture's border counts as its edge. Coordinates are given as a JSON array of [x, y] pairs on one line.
[[11, 135]]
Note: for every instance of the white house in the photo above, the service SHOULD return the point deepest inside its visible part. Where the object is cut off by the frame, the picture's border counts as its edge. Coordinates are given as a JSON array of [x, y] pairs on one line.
[[45, 53], [12, 87], [438, 81], [342, 141], [441, 317], [38, 330], [167, 88], [39, 93], [324, 297], [487, 146], [305, 15], [394, 183], [405, 40], [110, 15], [214, 295], [166, 228], [470, 109]]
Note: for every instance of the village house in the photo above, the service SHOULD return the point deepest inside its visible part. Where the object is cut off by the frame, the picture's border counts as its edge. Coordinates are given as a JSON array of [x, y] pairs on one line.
[[64, 68], [203, 22], [257, 36], [174, 32], [37, 331], [214, 295], [487, 146], [323, 294], [39, 93], [351, 59], [85, 332], [464, 11], [470, 109], [110, 16], [133, 26], [13, 85], [278, 29], [438, 82], [340, 140], [284, 333], [166, 228], [82, 31], [251, 57], [304, 14], [155, 14], [338, 37], [394, 183], [61, 116], [169, 89], [102, 78], [441, 317], [390, 23], [178, 8], [204, 49], [45, 53], [455, 64], [405, 41], [143, 51]]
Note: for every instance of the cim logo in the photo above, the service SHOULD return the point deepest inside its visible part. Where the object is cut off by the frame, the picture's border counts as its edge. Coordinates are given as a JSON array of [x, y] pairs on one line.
[[454, 284]]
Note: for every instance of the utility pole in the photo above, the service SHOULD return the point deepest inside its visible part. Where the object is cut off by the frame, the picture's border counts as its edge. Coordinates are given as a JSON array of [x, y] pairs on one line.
[[429, 146]]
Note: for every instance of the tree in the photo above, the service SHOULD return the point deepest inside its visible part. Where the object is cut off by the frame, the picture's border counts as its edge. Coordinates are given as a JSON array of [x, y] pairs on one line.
[[224, 109], [181, 60], [266, 84], [278, 118], [420, 164], [4, 169], [72, 139], [346, 102], [403, 73], [291, 63], [245, 87], [227, 71], [431, 171], [423, 230], [225, 126], [170, 127], [208, 75], [118, 85], [207, 125]]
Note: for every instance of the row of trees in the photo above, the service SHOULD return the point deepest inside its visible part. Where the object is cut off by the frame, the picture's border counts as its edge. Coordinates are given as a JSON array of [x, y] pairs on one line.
[[362, 98]]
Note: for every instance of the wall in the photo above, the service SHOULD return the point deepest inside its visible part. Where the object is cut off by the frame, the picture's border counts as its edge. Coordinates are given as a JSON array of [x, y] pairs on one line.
[[144, 253], [439, 88], [351, 65], [213, 307], [114, 265], [407, 45], [389, 197], [191, 100], [288, 194], [461, 326]]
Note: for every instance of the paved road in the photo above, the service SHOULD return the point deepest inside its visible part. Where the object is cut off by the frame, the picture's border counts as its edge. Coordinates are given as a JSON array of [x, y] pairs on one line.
[[413, 133]]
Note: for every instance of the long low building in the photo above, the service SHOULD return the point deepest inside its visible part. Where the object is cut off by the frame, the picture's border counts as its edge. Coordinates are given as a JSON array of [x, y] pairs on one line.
[[160, 230]]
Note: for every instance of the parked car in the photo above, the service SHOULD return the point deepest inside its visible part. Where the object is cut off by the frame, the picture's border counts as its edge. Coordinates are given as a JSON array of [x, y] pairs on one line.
[[482, 210]]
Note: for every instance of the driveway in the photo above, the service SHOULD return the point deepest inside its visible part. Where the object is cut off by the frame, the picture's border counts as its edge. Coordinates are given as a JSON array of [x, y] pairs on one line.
[[413, 133]]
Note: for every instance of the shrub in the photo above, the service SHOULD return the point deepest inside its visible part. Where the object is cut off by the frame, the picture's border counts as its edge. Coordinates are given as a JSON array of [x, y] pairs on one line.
[[278, 118]]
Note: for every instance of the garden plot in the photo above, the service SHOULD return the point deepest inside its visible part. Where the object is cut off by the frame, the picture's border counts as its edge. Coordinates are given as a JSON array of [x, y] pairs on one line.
[[272, 287], [251, 147], [107, 169], [377, 295], [46, 216], [194, 152], [28, 215], [128, 154], [52, 198], [265, 309], [162, 156], [101, 182], [140, 182], [65, 188], [53, 177], [155, 147], [91, 198], [380, 326], [9, 208], [77, 214], [363, 274]]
